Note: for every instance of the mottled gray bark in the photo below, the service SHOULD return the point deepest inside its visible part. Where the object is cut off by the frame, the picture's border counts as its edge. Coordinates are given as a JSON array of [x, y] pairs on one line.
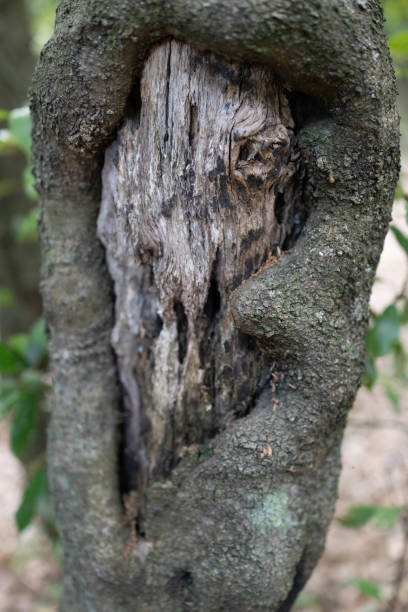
[[241, 523]]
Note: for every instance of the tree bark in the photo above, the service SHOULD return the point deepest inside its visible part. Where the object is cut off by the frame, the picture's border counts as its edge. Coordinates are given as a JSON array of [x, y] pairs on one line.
[[238, 523]]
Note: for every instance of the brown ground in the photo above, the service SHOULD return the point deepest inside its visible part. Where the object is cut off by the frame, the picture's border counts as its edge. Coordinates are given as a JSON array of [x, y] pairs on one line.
[[29, 572], [375, 471]]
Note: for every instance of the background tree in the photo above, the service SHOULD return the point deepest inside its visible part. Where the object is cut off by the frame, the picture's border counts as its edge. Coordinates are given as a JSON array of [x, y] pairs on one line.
[[16, 67], [255, 541]]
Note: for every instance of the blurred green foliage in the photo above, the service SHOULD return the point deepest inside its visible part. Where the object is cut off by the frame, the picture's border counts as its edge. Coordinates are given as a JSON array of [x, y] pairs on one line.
[[396, 15], [381, 516], [41, 18], [384, 336], [14, 138], [367, 588], [24, 356], [23, 384], [396, 27]]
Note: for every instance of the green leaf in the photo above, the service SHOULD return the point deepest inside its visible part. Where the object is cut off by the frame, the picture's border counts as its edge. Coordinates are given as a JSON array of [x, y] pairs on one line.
[[399, 192], [4, 114], [32, 379], [387, 517], [384, 332], [399, 361], [6, 298], [24, 422], [393, 396], [28, 182], [11, 362], [35, 491], [31, 347], [357, 516], [19, 343], [398, 43], [25, 227], [367, 588], [404, 313], [20, 127], [401, 238], [370, 374], [9, 396], [13, 394], [381, 516], [37, 348], [38, 333]]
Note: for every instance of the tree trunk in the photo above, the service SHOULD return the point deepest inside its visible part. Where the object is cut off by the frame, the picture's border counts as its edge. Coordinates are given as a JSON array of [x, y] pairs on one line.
[[243, 214]]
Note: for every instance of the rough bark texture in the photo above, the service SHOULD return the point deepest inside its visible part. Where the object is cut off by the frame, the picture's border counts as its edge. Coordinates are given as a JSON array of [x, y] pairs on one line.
[[241, 524]]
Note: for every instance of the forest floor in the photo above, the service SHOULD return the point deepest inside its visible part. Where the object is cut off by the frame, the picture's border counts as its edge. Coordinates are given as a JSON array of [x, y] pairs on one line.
[[375, 472]]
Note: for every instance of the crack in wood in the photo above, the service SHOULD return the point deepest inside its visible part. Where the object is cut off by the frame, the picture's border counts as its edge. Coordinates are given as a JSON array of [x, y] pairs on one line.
[[183, 226]]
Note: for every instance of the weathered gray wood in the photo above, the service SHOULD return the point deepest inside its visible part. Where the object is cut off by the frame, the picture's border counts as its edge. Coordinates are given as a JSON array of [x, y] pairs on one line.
[[190, 188]]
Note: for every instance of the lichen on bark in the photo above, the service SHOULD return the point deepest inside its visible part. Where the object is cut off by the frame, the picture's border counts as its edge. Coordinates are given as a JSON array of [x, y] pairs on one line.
[[242, 524]]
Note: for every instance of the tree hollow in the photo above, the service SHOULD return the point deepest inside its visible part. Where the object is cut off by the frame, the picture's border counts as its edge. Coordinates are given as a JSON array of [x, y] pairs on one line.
[[201, 190]]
